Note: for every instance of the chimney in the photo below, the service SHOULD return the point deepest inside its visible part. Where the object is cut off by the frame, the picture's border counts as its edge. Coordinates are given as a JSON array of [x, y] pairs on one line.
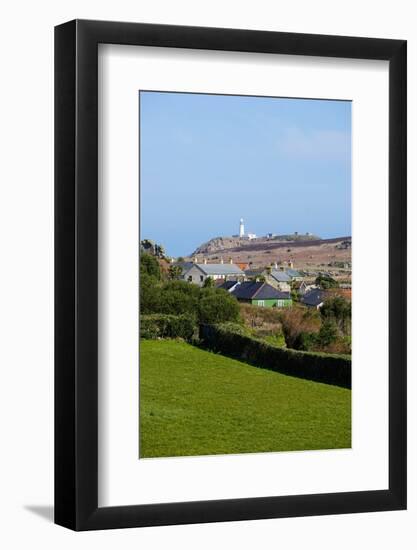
[[205, 260], [276, 265], [230, 260], [221, 260], [195, 260]]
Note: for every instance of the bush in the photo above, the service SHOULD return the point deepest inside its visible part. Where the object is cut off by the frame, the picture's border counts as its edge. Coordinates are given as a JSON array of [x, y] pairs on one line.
[[150, 294], [296, 323], [321, 367], [338, 309], [167, 326], [208, 305], [325, 282], [217, 306], [178, 298], [149, 265]]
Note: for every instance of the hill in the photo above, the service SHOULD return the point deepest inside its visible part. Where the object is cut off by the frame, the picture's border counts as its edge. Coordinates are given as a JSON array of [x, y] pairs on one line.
[[193, 402], [310, 253]]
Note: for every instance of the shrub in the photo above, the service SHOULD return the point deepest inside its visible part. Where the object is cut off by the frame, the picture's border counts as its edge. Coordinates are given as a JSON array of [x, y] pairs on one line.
[[296, 322], [217, 306], [325, 282], [338, 309], [208, 283], [149, 265], [167, 326], [327, 334], [174, 301], [150, 294], [321, 367]]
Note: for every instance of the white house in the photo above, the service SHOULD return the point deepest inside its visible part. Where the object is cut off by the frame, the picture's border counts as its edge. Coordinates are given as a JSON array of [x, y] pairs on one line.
[[198, 273]]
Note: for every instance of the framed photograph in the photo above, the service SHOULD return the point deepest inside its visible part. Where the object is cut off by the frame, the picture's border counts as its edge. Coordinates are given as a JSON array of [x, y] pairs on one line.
[[230, 275]]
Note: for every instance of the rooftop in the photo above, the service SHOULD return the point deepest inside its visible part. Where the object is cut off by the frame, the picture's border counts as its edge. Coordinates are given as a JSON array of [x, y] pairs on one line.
[[250, 290], [313, 297], [280, 276], [220, 269]]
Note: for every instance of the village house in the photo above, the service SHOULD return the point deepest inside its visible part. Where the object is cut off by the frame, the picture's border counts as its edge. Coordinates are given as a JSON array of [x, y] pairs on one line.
[[198, 273], [314, 298], [278, 279], [294, 275], [253, 274], [301, 287], [261, 294]]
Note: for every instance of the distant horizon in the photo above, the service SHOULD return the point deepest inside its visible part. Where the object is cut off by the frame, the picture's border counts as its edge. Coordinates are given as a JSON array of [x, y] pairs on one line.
[[258, 236], [283, 165]]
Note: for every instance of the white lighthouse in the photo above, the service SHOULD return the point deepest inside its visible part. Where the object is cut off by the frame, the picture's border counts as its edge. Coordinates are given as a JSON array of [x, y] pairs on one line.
[[241, 228]]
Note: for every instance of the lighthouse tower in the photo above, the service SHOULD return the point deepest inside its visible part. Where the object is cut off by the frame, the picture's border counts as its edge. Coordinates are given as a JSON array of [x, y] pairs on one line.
[[241, 228]]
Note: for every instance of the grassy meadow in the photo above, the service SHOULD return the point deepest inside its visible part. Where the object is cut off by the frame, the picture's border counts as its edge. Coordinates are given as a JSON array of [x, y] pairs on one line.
[[193, 402]]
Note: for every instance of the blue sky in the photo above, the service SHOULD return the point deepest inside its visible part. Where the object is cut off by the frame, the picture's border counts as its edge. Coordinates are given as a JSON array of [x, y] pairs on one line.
[[284, 165]]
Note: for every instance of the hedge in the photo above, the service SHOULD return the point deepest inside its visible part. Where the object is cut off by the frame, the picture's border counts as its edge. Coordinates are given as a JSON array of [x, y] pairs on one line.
[[320, 367], [167, 326]]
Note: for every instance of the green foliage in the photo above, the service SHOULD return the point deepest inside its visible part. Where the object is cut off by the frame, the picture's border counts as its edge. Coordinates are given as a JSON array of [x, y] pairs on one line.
[[277, 339], [321, 367], [167, 326], [207, 305], [193, 402], [149, 293], [325, 282], [339, 310], [305, 341], [208, 283], [217, 306], [174, 272], [149, 265], [179, 297], [327, 334]]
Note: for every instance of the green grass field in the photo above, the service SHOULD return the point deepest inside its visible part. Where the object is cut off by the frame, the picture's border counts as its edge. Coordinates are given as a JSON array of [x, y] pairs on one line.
[[193, 402]]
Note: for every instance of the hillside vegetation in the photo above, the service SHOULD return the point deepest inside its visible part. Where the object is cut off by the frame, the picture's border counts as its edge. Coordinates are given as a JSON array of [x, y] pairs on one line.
[[193, 402]]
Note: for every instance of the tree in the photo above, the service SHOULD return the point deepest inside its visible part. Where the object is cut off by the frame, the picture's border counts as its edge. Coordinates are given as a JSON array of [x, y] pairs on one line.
[[327, 334], [339, 310], [208, 283], [325, 282], [149, 294], [174, 272], [217, 306], [178, 297], [149, 265]]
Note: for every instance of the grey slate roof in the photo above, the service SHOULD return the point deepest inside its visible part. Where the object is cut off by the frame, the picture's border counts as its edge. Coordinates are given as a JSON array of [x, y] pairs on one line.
[[280, 276], [253, 272], [313, 297], [185, 266], [220, 269], [293, 273], [227, 285], [251, 290]]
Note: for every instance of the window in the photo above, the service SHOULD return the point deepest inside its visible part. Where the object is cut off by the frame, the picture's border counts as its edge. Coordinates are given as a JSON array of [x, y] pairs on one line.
[[261, 302], [190, 279], [201, 278]]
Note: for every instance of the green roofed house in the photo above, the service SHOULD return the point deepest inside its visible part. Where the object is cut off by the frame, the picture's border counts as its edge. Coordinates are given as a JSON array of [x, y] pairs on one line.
[[261, 294]]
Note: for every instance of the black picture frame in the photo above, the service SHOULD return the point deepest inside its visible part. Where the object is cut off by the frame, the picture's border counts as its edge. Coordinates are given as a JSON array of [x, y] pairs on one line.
[[76, 272]]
